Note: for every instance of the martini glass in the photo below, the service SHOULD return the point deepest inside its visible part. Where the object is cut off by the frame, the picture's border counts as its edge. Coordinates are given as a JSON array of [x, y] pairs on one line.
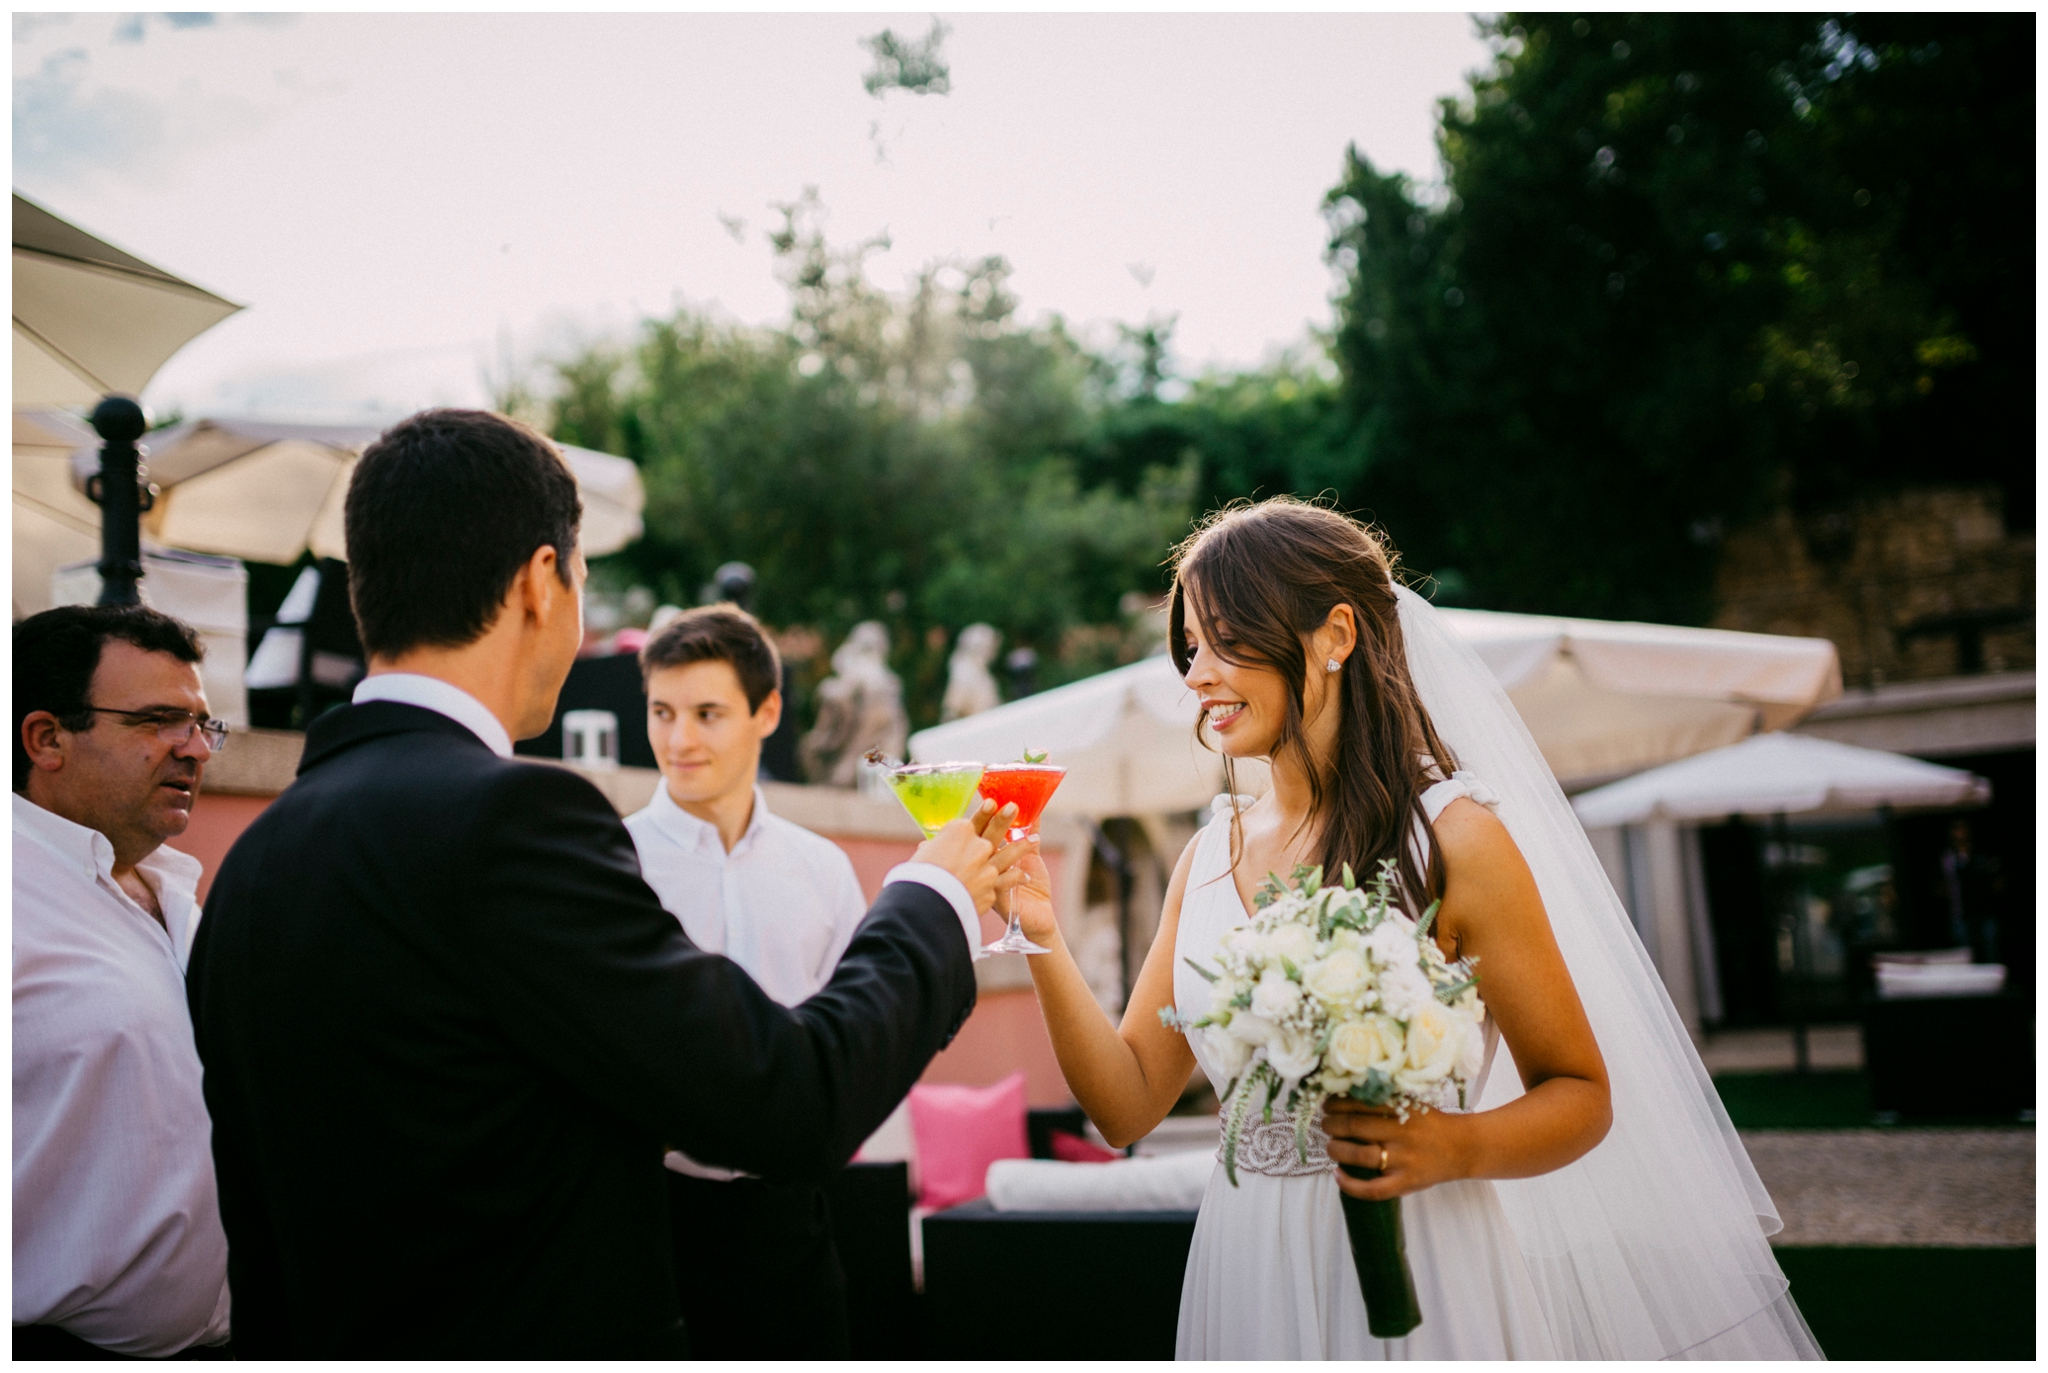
[[934, 794], [1027, 786]]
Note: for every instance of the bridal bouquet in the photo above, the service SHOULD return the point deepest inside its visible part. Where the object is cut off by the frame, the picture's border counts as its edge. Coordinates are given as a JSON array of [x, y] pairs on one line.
[[1336, 991]]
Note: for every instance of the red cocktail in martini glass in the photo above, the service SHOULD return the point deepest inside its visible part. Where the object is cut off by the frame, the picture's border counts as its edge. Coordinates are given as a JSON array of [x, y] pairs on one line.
[[1027, 786]]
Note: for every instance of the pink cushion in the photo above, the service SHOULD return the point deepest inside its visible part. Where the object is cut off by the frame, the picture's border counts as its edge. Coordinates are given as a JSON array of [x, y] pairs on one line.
[[1071, 1148], [960, 1131]]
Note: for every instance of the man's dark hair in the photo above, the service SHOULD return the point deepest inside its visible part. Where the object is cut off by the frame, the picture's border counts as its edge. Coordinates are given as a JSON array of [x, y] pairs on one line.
[[723, 634], [443, 511], [57, 652]]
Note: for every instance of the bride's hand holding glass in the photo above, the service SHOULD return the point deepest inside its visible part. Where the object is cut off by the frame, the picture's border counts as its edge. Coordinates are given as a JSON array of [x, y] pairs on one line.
[[1033, 898]]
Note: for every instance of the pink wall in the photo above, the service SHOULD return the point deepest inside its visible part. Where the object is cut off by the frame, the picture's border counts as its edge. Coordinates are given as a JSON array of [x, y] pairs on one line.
[[872, 859], [1005, 1032], [217, 822]]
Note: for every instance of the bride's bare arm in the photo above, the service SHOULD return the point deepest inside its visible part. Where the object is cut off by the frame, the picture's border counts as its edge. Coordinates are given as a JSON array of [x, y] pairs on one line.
[[1126, 1077], [1492, 910]]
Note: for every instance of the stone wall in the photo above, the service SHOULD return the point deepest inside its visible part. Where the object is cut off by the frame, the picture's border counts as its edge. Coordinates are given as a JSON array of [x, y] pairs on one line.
[[1911, 586]]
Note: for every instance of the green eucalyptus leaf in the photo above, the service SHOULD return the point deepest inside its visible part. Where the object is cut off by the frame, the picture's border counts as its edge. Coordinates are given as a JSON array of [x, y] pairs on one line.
[[1428, 918], [1448, 995]]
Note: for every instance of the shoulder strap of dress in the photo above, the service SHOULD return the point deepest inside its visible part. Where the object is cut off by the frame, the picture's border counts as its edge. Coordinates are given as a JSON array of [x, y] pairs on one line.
[[1435, 798], [1212, 851]]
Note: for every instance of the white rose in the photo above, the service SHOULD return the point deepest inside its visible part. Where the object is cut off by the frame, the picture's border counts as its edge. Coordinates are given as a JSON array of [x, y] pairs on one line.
[[1435, 1037], [1276, 997], [1405, 993], [1230, 1052], [1392, 946], [1359, 1046], [1247, 943], [1252, 1030], [1348, 939], [1293, 943], [1293, 1055], [1339, 978]]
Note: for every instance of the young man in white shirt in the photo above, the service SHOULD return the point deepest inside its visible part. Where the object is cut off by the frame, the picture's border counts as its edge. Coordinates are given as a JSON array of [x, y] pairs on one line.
[[118, 1246], [781, 902]]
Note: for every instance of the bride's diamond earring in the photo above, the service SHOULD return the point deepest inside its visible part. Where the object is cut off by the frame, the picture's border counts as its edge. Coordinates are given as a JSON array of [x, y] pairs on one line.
[[1332, 664]]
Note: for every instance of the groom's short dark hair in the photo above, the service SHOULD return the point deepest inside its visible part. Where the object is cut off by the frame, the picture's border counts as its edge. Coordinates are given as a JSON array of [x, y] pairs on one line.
[[443, 510]]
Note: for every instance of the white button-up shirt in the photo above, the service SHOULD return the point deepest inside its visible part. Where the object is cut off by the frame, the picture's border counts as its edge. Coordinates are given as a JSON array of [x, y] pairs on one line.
[[117, 1234], [784, 904]]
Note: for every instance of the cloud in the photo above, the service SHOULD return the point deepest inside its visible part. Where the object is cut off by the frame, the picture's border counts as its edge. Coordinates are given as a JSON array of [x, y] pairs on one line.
[[71, 125], [27, 26], [60, 127], [133, 28]]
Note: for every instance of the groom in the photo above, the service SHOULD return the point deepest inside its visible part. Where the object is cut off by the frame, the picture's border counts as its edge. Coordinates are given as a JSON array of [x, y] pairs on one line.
[[447, 1030]]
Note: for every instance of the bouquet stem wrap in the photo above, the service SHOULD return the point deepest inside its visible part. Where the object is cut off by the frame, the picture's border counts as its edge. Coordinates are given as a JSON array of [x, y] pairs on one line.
[[1380, 1251]]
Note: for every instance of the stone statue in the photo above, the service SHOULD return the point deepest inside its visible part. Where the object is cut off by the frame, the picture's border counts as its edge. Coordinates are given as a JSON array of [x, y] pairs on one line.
[[860, 707], [970, 688]]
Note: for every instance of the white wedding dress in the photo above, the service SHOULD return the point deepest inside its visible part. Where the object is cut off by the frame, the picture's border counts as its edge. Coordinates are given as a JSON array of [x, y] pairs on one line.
[[1654, 1245], [1270, 1275]]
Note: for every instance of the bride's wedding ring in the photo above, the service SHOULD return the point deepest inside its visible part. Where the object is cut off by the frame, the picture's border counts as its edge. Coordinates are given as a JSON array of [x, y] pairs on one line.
[[1381, 1166]]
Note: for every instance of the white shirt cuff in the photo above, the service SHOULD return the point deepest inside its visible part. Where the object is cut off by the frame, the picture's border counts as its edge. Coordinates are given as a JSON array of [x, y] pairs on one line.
[[946, 885], [676, 1161]]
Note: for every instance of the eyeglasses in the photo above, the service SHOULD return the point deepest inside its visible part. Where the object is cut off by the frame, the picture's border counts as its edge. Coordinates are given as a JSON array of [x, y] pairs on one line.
[[174, 727]]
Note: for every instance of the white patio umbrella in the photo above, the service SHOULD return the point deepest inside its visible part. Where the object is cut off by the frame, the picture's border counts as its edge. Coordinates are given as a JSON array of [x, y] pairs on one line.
[[91, 320], [53, 522], [269, 492], [1780, 774], [1600, 698], [1605, 698]]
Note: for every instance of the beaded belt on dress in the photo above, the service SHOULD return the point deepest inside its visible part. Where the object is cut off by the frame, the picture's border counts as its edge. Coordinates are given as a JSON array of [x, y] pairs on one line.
[[1269, 1149]]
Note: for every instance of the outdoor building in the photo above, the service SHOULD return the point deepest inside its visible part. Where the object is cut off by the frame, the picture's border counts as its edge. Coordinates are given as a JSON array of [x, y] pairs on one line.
[[1928, 592]]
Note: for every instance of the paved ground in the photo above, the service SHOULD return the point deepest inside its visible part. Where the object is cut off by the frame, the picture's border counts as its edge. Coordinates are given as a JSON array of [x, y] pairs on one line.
[[1918, 1187]]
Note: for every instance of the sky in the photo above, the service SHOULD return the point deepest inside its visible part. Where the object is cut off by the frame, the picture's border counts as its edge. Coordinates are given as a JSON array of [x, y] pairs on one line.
[[412, 206]]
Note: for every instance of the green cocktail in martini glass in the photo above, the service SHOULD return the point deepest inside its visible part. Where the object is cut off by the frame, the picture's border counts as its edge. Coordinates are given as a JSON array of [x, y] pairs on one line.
[[935, 793]]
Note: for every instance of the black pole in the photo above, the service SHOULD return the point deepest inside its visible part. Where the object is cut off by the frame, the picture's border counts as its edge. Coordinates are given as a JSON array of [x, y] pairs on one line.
[[118, 490]]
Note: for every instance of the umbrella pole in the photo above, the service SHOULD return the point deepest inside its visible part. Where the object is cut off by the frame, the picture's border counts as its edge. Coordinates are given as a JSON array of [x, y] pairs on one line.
[[1793, 893], [117, 490]]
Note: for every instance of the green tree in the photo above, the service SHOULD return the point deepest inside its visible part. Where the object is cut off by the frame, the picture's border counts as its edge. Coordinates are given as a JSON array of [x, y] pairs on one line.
[[1686, 267], [907, 456]]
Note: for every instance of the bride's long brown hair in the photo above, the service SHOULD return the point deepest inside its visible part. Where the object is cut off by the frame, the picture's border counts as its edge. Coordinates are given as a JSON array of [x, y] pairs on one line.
[[1269, 575]]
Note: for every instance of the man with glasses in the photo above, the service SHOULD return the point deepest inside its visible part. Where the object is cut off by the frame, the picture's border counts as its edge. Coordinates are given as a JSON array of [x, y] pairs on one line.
[[118, 1246]]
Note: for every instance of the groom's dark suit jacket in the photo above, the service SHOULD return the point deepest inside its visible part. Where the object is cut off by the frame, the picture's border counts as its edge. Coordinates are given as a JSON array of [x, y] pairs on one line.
[[447, 1031]]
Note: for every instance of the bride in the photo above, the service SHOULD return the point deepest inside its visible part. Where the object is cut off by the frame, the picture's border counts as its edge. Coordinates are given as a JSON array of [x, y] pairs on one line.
[[1596, 1203]]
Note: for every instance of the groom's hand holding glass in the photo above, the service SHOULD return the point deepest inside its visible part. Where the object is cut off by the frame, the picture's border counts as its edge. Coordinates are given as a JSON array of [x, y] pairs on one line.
[[972, 849]]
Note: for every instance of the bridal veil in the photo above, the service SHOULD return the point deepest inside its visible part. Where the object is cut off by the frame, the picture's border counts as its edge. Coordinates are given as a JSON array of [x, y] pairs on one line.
[[1654, 1244]]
